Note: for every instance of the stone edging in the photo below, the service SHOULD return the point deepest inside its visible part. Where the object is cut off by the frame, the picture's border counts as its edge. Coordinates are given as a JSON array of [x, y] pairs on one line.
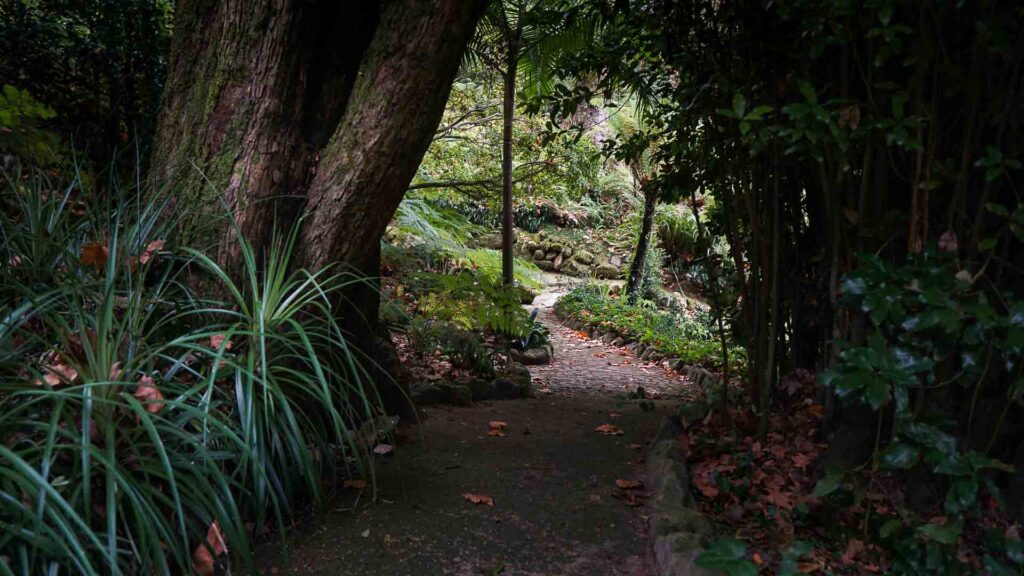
[[679, 531], [696, 374]]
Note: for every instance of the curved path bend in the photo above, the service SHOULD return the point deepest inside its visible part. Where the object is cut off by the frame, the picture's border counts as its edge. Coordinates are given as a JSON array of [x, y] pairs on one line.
[[557, 509]]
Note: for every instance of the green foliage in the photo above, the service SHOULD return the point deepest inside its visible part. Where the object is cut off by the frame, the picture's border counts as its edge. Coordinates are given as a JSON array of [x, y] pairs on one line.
[[462, 167], [136, 411], [677, 231], [21, 128], [463, 348], [99, 64], [672, 333], [474, 302], [934, 332], [728, 556]]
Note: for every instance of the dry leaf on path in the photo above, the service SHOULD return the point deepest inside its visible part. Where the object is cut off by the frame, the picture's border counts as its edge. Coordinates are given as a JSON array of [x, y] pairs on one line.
[[478, 498], [383, 449], [609, 430], [629, 484], [357, 484]]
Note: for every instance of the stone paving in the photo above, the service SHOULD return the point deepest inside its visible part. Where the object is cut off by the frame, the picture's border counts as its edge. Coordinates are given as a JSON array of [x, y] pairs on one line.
[[588, 366]]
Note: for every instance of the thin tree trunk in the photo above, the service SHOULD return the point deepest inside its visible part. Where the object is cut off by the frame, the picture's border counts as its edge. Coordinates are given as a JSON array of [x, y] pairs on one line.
[[636, 269], [508, 114]]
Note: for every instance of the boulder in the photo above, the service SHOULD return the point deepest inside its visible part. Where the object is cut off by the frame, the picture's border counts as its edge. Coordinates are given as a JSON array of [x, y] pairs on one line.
[[538, 254], [574, 268], [514, 383], [492, 241], [567, 251], [557, 263], [556, 247], [606, 271], [534, 356], [425, 393], [545, 265], [584, 257]]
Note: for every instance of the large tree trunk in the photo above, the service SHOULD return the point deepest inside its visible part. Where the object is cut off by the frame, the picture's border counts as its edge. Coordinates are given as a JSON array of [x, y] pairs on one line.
[[253, 92], [314, 106]]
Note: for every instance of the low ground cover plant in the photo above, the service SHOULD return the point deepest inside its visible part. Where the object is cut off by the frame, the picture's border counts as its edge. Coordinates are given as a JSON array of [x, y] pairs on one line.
[[673, 333]]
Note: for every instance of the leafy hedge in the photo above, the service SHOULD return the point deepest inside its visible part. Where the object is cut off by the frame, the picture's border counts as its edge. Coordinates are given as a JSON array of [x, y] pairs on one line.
[[671, 333]]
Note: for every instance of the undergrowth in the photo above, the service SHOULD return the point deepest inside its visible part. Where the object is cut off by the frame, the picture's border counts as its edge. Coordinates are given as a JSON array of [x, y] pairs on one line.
[[672, 333], [149, 426]]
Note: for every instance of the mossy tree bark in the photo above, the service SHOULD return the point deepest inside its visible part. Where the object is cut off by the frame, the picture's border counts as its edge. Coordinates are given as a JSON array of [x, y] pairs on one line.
[[308, 107]]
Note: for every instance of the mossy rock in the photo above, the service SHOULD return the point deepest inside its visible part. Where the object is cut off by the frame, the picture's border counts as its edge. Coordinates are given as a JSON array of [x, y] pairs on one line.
[[584, 257], [538, 254], [514, 383], [425, 393], [574, 268], [557, 262], [606, 271], [545, 265]]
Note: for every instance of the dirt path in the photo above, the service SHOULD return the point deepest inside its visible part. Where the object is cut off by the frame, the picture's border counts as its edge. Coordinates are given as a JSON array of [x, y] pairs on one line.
[[557, 510]]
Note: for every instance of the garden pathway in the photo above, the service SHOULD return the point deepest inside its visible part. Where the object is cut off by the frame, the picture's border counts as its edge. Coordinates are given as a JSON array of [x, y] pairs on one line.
[[552, 476]]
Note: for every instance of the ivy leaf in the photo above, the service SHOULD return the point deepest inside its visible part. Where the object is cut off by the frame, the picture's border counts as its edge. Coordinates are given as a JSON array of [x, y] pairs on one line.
[[807, 89], [899, 456], [830, 483], [890, 528], [997, 209], [876, 392], [729, 556], [739, 105], [962, 494], [943, 534]]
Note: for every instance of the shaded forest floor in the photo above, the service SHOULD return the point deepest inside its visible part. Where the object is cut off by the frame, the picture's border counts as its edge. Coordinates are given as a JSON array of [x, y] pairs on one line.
[[557, 508]]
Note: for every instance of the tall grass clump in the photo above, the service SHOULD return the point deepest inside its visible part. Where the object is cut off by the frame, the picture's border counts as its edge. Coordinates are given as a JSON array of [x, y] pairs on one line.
[[150, 425]]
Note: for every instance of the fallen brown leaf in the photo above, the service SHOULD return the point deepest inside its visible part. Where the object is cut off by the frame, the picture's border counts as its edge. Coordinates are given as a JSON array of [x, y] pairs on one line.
[[609, 430], [204, 554], [357, 484], [478, 498], [95, 255], [149, 395], [629, 484]]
